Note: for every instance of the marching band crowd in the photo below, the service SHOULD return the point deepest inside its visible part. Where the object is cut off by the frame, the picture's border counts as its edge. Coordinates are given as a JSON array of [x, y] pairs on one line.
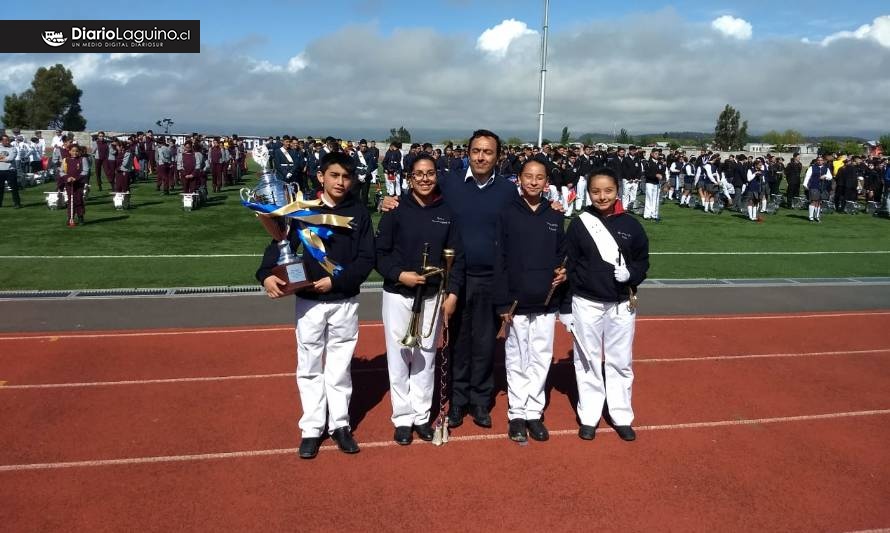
[[750, 185]]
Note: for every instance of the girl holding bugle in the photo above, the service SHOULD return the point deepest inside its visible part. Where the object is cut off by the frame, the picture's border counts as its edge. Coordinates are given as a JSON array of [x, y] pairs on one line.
[[529, 252], [422, 226]]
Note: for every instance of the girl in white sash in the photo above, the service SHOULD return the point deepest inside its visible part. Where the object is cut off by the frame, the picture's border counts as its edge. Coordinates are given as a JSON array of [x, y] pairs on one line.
[[608, 253]]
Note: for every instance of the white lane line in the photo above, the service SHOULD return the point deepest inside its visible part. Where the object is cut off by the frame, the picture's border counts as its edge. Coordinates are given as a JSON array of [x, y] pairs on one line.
[[66, 336], [388, 444], [378, 324], [383, 369], [832, 252], [157, 256], [211, 256]]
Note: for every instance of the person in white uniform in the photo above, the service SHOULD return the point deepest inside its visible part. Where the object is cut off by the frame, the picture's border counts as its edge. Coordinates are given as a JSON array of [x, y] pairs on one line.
[[422, 224], [529, 256], [608, 257], [327, 311]]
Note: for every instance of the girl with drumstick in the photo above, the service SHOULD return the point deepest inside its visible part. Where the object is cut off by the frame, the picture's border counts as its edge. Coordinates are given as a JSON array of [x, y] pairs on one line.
[[423, 225], [608, 253]]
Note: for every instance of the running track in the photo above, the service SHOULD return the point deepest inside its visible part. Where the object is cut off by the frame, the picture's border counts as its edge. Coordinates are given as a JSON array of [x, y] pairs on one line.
[[758, 422]]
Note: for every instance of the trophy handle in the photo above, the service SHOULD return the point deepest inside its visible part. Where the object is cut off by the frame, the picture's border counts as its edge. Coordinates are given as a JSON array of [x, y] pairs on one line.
[[245, 194]]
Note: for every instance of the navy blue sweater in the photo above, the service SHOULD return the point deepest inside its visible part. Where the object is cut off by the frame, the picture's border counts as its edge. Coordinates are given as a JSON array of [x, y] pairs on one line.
[[593, 278], [530, 246], [401, 236], [352, 248], [476, 213]]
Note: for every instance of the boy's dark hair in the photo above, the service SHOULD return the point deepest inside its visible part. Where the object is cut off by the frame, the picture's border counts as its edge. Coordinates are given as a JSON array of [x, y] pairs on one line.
[[485, 133], [337, 158]]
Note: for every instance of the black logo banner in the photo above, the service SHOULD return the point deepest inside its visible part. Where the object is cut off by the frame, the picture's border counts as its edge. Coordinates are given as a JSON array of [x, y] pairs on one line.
[[126, 36]]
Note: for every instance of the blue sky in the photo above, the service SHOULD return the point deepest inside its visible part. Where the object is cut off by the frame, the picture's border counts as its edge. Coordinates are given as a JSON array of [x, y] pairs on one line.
[[453, 65]]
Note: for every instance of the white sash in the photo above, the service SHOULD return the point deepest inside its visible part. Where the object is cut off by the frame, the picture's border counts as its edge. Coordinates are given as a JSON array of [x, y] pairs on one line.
[[361, 156], [604, 240], [287, 155]]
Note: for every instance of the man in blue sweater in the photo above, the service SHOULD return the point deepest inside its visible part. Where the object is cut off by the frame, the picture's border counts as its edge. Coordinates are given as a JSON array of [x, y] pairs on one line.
[[476, 196]]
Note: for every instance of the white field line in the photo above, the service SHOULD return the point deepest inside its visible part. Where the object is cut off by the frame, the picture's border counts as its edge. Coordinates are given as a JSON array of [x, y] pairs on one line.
[[211, 256], [381, 369], [389, 444], [67, 335]]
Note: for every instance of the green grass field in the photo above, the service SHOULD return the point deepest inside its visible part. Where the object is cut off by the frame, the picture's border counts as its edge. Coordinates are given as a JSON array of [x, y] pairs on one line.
[[156, 226]]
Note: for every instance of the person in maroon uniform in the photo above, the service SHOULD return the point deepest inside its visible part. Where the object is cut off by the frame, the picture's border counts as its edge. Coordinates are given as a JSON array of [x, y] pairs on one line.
[[123, 166], [190, 164], [150, 152], [74, 174], [100, 155], [218, 159], [110, 164]]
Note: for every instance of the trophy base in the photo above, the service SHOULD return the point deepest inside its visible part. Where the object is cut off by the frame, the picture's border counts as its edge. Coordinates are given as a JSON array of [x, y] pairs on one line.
[[295, 276]]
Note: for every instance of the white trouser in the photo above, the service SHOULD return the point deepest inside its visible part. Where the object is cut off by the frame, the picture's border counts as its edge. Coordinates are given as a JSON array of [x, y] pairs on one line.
[[327, 333], [411, 370], [566, 204], [653, 200], [393, 187], [529, 352], [583, 199], [604, 332], [630, 193]]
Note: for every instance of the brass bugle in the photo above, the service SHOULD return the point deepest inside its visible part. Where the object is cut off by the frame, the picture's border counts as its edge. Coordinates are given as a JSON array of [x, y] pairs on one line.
[[448, 259], [412, 336]]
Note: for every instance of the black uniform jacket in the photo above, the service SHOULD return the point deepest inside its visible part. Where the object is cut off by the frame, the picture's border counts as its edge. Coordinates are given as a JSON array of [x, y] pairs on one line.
[[401, 236], [593, 278], [352, 248]]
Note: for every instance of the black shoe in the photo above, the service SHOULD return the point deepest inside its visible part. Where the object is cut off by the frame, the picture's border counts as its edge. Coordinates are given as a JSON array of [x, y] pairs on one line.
[[424, 431], [626, 433], [587, 432], [481, 417], [17, 206], [456, 416], [516, 430], [537, 431], [309, 447], [344, 439], [402, 435]]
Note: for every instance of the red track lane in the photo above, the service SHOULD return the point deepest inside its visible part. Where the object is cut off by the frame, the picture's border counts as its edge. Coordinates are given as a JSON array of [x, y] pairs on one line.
[[38, 359], [801, 476], [56, 425]]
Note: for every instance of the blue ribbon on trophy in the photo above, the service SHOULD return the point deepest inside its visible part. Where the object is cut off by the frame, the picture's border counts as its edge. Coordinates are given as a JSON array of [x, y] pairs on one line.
[[273, 198]]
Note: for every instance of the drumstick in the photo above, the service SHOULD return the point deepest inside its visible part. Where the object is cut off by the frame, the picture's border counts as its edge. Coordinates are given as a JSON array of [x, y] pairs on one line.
[[502, 333], [565, 260]]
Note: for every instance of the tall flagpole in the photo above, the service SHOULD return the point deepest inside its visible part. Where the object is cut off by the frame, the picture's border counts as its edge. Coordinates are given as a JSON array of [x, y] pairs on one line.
[[543, 72]]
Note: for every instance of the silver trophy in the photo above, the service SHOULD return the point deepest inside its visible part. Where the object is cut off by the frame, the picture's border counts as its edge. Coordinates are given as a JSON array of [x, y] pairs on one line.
[[272, 191]]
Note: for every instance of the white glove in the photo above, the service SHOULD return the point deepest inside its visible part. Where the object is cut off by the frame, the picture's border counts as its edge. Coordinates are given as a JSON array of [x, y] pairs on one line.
[[361, 179], [622, 274], [568, 321]]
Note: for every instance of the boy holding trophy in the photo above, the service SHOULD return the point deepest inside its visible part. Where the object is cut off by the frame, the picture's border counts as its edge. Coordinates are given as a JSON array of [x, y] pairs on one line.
[[338, 254]]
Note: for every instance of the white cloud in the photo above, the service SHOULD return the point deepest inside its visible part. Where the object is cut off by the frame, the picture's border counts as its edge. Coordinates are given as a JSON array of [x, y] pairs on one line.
[[297, 63], [878, 31], [495, 41], [733, 27], [294, 65], [644, 73]]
